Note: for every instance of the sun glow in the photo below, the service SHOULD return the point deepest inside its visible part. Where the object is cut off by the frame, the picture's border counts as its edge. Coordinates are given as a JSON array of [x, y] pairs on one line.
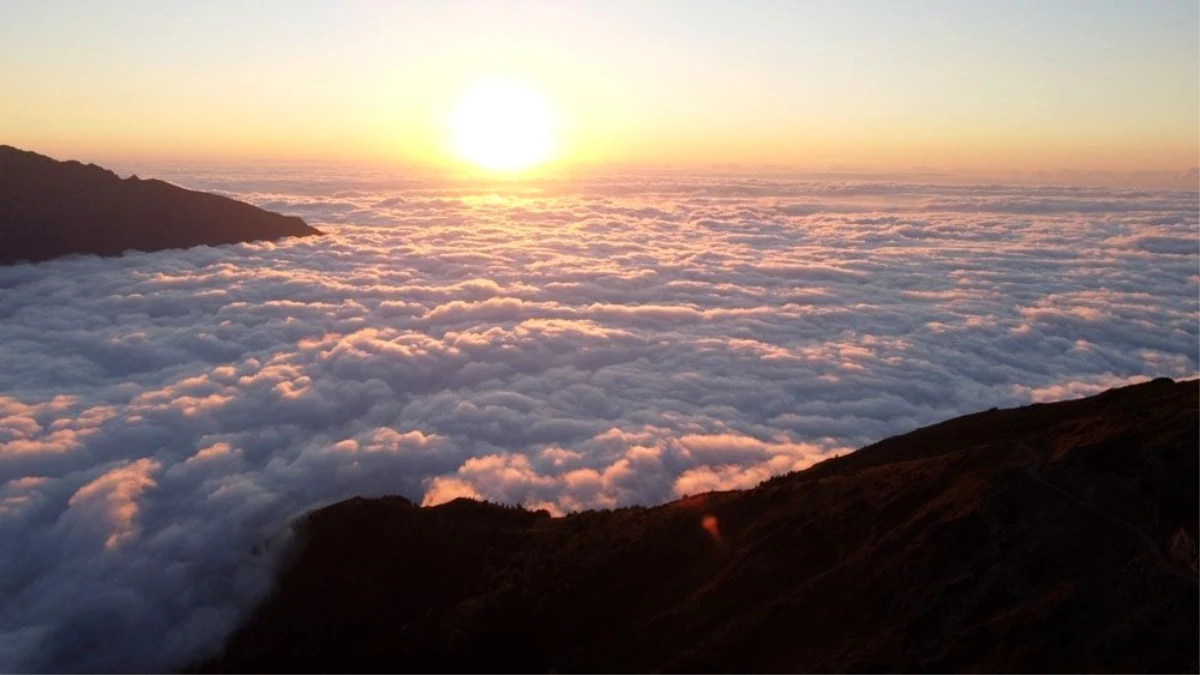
[[502, 125]]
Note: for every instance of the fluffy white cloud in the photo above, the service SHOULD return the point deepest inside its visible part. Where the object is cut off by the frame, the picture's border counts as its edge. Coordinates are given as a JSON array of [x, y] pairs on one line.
[[566, 345]]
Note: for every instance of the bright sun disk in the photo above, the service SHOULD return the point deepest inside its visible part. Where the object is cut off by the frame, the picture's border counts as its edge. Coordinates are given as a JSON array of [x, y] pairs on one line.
[[502, 125]]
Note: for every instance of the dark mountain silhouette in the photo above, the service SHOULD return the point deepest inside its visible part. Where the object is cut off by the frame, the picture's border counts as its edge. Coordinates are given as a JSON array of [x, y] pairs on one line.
[[1048, 538], [50, 209]]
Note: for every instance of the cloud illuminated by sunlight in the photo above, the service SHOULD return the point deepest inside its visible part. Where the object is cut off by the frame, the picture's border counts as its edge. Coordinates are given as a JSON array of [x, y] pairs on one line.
[[570, 343]]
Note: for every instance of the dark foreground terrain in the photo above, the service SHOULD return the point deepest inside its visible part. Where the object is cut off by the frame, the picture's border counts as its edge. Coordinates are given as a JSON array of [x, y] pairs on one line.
[[50, 209], [1048, 538]]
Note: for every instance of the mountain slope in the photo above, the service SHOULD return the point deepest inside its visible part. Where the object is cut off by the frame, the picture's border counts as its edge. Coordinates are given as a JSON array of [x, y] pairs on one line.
[[1050, 538], [50, 209]]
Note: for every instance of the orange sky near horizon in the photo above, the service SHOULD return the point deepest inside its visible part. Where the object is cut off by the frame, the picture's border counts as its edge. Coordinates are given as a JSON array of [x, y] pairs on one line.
[[869, 85]]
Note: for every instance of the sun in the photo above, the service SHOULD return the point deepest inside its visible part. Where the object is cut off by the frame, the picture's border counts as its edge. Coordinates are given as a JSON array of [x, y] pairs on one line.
[[502, 125]]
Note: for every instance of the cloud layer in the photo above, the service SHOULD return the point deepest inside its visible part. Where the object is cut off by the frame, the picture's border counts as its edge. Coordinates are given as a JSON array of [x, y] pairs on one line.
[[565, 345]]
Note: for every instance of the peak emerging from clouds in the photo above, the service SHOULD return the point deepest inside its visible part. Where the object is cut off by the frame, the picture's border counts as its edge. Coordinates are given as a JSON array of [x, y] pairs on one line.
[[50, 209]]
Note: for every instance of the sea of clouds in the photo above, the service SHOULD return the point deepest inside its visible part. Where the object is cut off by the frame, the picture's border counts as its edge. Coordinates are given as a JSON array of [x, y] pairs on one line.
[[595, 342]]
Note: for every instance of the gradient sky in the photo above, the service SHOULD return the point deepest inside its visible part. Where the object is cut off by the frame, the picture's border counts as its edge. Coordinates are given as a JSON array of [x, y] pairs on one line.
[[1021, 84]]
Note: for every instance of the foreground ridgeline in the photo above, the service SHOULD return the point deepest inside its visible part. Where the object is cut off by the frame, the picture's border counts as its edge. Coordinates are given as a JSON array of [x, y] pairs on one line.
[[1049, 538], [50, 209]]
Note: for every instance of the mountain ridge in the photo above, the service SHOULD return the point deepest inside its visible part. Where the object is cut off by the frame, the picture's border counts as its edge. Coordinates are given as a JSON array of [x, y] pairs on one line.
[[51, 208], [1065, 541]]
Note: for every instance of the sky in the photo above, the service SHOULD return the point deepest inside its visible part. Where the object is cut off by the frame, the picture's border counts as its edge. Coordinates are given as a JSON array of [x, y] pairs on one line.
[[871, 84], [574, 339]]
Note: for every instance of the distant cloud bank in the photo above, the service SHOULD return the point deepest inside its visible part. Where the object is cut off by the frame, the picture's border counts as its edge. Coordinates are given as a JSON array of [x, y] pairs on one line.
[[566, 346]]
